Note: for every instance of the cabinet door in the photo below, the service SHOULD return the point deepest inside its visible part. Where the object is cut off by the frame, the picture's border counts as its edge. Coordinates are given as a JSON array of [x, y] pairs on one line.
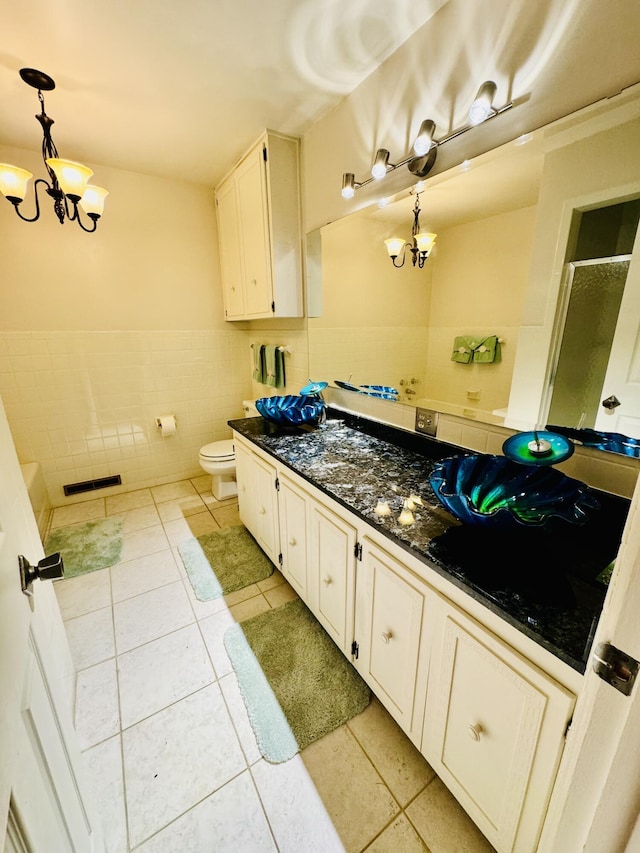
[[494, 732], [292, 507], [389, 627], [266, 505], [230, 250], [246, 492], [332, 574], [254, 235]]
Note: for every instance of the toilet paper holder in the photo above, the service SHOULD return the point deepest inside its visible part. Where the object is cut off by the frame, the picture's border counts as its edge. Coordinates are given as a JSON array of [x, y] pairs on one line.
[[167, 424]]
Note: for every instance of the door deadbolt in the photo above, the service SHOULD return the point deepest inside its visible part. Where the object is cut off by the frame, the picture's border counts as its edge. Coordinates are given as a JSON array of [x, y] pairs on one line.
[[48, 568]]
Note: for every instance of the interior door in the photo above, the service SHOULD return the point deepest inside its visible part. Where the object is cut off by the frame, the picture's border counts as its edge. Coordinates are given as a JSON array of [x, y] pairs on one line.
[[43, 794]]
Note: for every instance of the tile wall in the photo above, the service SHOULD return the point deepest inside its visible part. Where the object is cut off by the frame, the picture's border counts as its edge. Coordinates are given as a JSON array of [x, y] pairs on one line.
[[84, 404]]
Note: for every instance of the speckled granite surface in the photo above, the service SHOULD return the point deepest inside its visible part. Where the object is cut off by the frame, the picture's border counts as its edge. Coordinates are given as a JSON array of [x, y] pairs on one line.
[[541, 581]]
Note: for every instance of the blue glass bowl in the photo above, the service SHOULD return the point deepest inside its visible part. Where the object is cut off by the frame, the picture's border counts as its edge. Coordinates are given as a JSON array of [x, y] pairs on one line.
[[290, 409], [493, 491]]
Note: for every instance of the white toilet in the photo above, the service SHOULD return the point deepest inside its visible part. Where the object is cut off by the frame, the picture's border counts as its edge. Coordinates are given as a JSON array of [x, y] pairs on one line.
[[219, 459]]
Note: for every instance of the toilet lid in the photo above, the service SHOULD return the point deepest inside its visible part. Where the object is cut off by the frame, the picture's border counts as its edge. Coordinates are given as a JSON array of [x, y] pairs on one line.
[[222, 450]]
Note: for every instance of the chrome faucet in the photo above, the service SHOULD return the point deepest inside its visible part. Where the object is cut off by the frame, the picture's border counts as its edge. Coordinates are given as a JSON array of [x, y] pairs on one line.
[[409, 391]]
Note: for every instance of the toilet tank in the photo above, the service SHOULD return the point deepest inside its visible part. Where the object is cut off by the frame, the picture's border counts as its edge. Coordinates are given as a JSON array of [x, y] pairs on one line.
[[249, 409]]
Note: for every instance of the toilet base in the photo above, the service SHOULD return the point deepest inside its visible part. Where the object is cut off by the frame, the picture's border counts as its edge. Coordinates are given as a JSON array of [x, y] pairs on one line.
[[224, 486]]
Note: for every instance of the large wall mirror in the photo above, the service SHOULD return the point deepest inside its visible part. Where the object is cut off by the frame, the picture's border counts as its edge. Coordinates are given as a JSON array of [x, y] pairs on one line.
[[502, 268]]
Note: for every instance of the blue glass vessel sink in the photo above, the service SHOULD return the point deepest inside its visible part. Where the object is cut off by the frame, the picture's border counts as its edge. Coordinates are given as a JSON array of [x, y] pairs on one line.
[[291, 409], [493, 491]]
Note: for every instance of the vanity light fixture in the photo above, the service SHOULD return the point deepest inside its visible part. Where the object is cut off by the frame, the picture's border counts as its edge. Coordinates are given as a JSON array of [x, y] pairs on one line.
[[423, 155], [68, 185], [420, 247]]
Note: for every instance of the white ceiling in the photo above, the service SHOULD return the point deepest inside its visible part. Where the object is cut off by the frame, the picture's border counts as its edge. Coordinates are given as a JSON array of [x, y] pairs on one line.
[[183, 88]]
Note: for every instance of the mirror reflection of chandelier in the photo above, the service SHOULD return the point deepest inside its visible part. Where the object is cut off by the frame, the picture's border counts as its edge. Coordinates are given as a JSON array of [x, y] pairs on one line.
[[420, 247]]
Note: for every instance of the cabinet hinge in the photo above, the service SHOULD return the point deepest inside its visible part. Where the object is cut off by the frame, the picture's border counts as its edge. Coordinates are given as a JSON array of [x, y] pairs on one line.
[[273, 307], [277, 484], [357, 551], [280, 560], [355, 648], [264, 153], [566, 731]]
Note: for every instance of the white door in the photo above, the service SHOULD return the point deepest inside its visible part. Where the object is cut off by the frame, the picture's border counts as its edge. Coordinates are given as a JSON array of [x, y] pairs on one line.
[[43, 803]]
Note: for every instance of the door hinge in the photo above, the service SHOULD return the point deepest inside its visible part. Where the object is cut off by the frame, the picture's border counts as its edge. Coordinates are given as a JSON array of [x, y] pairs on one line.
[[280, 560], [357, 551], [355, 649], [277, 484], [273, 307], [615, 667], [264, 153]]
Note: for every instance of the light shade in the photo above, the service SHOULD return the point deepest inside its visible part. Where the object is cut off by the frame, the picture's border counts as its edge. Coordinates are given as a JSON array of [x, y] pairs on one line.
[[424, 139], [348, 185], [92, 201], [379, 168], [425, 242], [72, 177], [482, 106], [394, 246], [13, 181]]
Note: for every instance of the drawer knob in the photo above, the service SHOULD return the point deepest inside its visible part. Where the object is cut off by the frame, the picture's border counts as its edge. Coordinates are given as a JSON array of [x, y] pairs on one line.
[[263, 511], [386, 636], [474, 732], [327, 581], [292, 541]]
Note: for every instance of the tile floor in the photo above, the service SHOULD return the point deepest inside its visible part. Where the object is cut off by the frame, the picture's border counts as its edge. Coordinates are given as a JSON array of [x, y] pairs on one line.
[[173, 759]]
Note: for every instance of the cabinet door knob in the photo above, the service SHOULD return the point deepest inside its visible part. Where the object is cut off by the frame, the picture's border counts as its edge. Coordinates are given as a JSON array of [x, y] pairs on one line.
[[262, 511], [386, 636], [327, 581], [292, 541], [474, 732]]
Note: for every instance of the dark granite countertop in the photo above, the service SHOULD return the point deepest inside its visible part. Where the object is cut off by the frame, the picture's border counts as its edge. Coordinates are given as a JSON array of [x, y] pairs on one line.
[[542, 581]]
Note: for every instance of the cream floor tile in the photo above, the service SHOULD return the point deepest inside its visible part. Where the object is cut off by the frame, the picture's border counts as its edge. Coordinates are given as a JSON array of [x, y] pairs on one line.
[[359, 804], [140, 518], [226, 516], [171, 491], [250, 607], [143, 542], [117, 504], [297, 815], [202, 484], [141, 575], [243, 594], [400, 837], [238, 712], [104, 763], [151, 615], [442, 823], [84, 593], [280, 594], [161, 672], [176, 758], [91, 637], [230, 821], [396, 759], [76, 513], [273, 580], [213, 629], [186, 528], [181, 507], [97, 717]]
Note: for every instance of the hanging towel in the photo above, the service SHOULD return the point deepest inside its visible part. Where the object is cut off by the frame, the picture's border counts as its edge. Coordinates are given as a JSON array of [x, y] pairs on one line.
[[280, 375], [270, 365], [463, 347], [488, 350], [258, 363]]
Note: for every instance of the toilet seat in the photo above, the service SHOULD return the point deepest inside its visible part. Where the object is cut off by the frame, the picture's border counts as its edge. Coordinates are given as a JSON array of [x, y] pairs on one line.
[[219, 451]]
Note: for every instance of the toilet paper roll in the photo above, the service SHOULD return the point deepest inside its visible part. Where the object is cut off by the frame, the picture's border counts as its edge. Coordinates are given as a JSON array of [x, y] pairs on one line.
[[167, 424]]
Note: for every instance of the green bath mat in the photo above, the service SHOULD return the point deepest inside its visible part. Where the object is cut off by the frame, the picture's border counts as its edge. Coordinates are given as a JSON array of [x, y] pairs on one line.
[[296, 684], [221, 562], [87, 547]]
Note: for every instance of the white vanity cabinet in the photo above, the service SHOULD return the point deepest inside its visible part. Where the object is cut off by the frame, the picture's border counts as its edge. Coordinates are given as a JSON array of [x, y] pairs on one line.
[[494, 729], [293, 509], [259, 232]]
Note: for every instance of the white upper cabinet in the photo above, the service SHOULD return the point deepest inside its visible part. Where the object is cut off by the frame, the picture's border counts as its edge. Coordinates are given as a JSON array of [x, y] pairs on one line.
[[260, 234]]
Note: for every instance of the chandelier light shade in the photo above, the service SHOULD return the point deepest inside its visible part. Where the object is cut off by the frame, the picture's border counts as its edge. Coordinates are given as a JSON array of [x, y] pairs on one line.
[[422, 242], [68, 181], [423, 154]]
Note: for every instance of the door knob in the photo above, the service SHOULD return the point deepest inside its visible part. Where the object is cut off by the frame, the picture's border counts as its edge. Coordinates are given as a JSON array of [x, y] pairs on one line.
[[48, 568], [611, 402]]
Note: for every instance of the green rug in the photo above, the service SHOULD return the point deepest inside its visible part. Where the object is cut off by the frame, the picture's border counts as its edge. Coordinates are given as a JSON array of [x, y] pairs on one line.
[[221, 562], [296, 684], [87, 547]]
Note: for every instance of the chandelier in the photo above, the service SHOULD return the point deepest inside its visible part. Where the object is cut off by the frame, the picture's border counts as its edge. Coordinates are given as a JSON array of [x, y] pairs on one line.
[[420, 246], [68, 185]]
